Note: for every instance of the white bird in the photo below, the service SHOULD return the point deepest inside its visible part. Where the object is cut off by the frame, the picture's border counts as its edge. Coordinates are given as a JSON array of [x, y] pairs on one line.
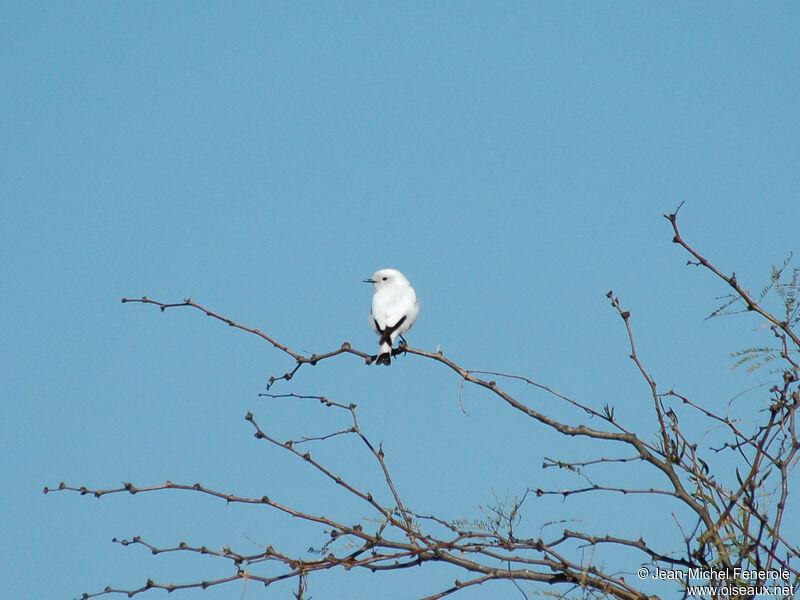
[[394, 309]]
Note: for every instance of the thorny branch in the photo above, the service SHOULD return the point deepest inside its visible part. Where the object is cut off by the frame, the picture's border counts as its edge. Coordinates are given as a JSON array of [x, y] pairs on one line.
[[733, 525]]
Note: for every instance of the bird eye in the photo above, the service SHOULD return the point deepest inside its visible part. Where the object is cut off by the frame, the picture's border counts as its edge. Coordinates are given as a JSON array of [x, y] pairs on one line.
[[385, 278]]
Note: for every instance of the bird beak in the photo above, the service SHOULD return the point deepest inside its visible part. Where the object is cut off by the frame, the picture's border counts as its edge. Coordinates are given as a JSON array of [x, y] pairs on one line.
[[369, 281]]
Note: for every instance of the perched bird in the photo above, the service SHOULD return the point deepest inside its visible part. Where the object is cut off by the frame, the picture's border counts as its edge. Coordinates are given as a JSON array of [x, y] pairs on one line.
[[394, 309]]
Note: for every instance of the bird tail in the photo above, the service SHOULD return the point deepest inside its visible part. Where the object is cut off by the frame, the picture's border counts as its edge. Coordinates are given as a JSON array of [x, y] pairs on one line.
[[385, 355]]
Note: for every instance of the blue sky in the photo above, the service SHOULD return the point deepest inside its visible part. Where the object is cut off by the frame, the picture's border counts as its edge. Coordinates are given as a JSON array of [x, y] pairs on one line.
[[512, 159]]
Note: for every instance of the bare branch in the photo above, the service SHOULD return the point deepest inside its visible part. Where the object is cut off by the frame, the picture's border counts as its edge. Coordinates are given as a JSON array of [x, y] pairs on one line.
[[736, 516]]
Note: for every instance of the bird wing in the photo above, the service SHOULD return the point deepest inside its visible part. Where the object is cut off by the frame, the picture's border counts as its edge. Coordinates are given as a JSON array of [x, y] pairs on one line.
[[392, 304]]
